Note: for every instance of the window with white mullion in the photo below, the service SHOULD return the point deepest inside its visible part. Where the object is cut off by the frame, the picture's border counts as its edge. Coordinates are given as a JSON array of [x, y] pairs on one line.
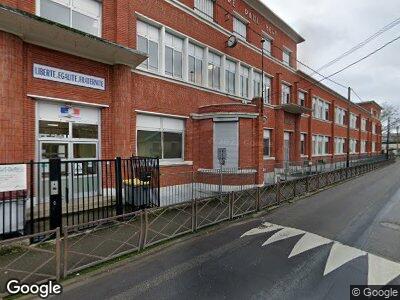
[[214, 71], [84, 15], [205, 8], [230, 77], [148, 38], [285, 96], [267, 46], [195, 63], [239, 27], [173, 55], [244, 81]]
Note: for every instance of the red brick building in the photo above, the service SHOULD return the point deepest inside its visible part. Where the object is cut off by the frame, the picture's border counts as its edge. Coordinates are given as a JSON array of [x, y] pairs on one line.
[[76, 83]]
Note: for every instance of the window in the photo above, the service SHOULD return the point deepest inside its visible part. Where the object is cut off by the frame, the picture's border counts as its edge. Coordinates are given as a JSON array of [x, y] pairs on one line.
[[339, 145], [302, 99], [320, 109], [363, 146], [85, 131], [48, 129], [286, 57], [239, 27], [84, 15], [353, 121], [353, 146], [244, 81], [320, 145], [340, 116], [196, 55], [373, 145], [363, 124], [285, 96], [214, 71], [147, 42], [173, 55], [230, 74], [373, 128], [267, 46], [267, 143], [160, 137], [205, 8], [303, 144], [257, 87]]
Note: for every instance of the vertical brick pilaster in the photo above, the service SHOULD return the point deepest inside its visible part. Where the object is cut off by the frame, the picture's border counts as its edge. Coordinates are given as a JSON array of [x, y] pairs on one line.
[[310, 124], [297, 139], [123, 119]]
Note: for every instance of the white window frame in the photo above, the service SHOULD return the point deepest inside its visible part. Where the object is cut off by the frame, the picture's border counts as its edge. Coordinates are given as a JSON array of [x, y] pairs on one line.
[[214, 60], [267, 135], [197, 55], [161, 129], [230, 69], [71, 8], [149, 36], [205, 8], [286, 53], [300, 98], [285, 95], [240, 27], [320, 109], [176, 46], [244, 80]]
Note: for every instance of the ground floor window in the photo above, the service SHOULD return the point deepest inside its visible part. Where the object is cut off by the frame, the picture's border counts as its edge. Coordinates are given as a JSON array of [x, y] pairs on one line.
[[303, 144], [160, 137], [267, 143]]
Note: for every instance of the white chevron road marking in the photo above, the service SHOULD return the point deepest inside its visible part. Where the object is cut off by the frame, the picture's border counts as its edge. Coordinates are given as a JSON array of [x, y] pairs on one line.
[[307, 242], [341, 254], [283, 234], [381, 271]]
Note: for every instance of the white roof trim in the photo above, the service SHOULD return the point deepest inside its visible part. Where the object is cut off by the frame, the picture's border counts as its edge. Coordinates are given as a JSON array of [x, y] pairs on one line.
[[160, 114]]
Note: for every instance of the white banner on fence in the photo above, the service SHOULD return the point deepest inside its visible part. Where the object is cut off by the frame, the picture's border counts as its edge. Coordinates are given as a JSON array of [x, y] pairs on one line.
[[13, 178]]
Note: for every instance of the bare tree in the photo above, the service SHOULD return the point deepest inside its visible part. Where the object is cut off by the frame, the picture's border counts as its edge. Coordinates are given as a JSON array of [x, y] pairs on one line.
[[392, 112]]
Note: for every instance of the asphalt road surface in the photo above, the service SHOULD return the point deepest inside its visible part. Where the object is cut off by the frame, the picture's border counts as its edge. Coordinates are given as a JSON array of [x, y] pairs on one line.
[[312, 249]]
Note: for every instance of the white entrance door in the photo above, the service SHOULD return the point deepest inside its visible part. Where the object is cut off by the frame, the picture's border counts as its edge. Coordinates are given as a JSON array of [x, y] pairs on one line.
[[71, 137], [226, 135]]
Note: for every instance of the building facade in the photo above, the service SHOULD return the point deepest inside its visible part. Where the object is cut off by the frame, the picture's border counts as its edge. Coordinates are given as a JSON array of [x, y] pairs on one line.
[[180, 80]]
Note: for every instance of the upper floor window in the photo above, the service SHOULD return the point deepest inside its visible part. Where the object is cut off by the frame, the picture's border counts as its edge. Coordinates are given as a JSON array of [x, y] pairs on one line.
[[373, 128], [267, 143], [173, 55], [83, 15], [320, 109], [363, 124], [195, 64], [147, 42], [230, 74], [285, 96], [267, 46], [353, 121], [205, 8], [239, 27], [302, 98], [214, 71], [244, 81], [340, 116], [287, 55]]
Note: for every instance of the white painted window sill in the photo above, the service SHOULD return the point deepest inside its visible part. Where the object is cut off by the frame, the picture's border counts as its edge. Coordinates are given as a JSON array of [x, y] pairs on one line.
[[175, 163], [269, 158]]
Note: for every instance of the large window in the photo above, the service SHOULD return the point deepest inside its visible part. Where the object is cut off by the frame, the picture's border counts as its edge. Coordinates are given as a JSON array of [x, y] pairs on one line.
[[353, 146], [257, 82], [196, 55], [286, 57], [373, 147], [244, 81], [363, 146], [214, 71], [230, 75], [320, 145], [160, 137], [320, 109], [340, 145], [267, 143], [340, 115], [147, 42], [353, 121], [302, 99], [240, 28], [363, 124], [84, 15], [373, 128], [205, 8], [173, 55], [303, 144], [285, 96], [267, 46]]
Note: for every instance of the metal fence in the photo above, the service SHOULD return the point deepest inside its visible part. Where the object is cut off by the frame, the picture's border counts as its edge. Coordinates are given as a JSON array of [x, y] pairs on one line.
[[59, 193], [85, 245]]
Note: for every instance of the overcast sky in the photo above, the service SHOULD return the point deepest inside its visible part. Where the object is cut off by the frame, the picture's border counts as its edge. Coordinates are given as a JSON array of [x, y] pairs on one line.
[[331, 27]]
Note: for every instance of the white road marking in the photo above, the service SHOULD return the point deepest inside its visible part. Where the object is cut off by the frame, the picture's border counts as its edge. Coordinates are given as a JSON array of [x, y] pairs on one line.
[[283, 234], [264, 228], [308, 242], [381, 271], [341, 254]]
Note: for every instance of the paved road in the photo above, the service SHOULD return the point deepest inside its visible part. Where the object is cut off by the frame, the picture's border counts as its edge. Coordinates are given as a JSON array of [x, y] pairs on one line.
[[344, 232]]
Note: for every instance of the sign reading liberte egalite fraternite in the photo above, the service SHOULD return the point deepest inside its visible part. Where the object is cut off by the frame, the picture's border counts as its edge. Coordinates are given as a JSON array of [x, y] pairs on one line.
[[69, 77]]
